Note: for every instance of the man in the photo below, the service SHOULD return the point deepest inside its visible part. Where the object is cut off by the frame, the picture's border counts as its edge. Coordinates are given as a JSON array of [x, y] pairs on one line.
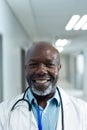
[[44, 105]]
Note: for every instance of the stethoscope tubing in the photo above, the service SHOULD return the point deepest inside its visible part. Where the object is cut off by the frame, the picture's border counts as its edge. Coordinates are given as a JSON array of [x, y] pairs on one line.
[[29, 105], [62, 112]]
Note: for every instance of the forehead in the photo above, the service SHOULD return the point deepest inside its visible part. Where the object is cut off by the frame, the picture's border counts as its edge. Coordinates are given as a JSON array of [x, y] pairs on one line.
[[42, 52]]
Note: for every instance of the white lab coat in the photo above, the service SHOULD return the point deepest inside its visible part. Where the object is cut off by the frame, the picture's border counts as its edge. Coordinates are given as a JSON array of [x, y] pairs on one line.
[[75, 115]]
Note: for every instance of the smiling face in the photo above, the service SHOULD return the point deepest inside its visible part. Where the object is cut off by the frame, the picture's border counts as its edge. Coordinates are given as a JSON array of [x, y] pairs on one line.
[[42, 67]]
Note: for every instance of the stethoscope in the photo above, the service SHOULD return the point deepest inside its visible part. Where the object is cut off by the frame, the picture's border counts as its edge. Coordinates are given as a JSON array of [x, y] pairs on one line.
[[29, 105]]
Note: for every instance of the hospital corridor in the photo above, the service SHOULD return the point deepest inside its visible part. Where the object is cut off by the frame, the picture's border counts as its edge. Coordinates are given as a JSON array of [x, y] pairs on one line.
[[23, 22]]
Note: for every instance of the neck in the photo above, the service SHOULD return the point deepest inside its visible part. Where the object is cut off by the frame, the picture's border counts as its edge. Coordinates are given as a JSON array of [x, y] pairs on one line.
[[42, 100]]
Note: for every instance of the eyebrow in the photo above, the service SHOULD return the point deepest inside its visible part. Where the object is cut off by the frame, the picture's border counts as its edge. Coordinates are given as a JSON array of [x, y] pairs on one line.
[[47, 59]]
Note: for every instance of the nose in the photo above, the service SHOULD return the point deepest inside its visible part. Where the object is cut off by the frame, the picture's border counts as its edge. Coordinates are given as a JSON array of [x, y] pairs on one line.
[[41, 70]]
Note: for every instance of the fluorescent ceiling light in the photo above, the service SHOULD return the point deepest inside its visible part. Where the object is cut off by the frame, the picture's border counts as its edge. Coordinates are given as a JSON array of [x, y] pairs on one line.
[[72, 22], [84, 27], [81, 22], [77, 23], [62, 42], [60, 49]]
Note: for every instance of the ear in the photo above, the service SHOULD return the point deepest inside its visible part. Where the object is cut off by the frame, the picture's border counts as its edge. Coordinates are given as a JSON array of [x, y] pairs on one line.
[[59, 67], [25, 68]]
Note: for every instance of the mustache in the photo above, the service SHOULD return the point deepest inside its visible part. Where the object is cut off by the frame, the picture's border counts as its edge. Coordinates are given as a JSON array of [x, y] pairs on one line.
[[45, 76]]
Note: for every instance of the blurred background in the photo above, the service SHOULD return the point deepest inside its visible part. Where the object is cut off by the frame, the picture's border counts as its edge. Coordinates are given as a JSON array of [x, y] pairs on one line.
[[61, 22]]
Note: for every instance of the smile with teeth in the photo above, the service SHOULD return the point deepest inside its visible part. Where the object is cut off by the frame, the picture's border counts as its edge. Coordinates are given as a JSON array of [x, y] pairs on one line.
[[41, 81]]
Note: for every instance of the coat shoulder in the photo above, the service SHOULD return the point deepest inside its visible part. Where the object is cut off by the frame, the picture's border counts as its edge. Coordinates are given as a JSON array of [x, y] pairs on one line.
[[5, 108]]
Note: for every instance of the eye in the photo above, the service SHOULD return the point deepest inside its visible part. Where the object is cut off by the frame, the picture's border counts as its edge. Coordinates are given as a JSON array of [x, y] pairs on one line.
[[32, 65], [50, 65]]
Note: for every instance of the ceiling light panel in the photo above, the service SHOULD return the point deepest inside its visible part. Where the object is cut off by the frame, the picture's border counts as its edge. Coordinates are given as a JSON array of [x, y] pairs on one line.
[[62, 42], [77, 23], [81, 22], [72, 22], [84, 27]]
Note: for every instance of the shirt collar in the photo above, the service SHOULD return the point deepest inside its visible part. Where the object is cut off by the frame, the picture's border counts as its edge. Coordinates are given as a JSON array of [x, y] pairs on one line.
[[55, 98], [32, 99]]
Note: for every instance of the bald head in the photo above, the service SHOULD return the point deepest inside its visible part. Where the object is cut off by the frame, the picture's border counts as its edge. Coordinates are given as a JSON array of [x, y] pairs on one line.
[[42, 47], [42, 68]]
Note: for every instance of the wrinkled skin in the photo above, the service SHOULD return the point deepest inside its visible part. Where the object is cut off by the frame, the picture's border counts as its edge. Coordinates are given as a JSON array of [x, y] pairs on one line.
[[42, 68]]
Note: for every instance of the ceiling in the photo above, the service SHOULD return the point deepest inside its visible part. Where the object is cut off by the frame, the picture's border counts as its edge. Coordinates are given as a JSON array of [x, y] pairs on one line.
[[46, 20]]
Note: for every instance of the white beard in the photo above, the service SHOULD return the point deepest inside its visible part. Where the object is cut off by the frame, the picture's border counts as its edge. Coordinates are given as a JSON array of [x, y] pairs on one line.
[[49, 90]]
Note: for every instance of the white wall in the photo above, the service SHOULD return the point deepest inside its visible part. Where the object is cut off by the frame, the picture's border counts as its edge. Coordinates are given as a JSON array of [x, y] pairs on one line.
[[14, 39]]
